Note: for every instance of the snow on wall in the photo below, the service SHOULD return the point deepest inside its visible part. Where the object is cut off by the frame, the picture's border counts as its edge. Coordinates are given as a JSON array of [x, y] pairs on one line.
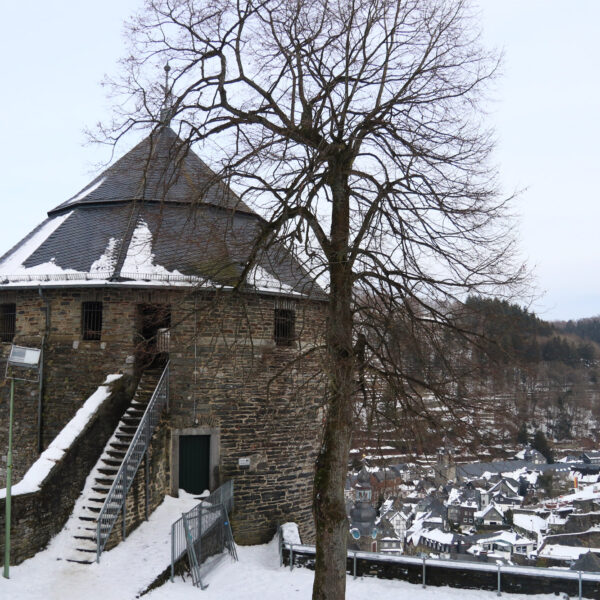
[[39, 470]]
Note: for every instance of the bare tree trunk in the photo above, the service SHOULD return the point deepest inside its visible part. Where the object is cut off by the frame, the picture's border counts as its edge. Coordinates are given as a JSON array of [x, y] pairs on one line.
[[332, 464]]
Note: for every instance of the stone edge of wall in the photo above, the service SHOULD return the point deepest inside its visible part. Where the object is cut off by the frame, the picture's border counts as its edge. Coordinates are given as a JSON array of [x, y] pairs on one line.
[[456, 577], [40, 515]]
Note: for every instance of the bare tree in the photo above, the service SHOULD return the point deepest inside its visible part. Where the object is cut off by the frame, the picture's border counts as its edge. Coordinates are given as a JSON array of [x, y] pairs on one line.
[[355, 127]]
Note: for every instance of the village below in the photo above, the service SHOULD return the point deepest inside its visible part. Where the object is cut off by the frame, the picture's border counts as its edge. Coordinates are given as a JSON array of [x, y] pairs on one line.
[[522, 511]]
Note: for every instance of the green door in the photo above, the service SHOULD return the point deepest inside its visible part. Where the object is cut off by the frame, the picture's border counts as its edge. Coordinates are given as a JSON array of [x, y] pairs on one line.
[[194, 452]]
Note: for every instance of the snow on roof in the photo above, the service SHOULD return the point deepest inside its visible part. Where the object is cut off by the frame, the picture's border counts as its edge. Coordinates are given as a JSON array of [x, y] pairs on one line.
[[86, 191], [262, 280], [453, 495], [140, 258], [482, 513], [13, 263], [507, 537], [554, 519], [437, 535], [106, 262], [560, 552], [530, 522], [39, 470]]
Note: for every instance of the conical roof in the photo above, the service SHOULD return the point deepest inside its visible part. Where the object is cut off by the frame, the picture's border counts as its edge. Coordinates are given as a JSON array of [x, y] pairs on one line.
[[158, 216], [161, 168]]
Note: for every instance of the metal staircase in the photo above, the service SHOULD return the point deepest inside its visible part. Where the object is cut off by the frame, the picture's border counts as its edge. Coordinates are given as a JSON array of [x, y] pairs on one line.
[[116, 469]]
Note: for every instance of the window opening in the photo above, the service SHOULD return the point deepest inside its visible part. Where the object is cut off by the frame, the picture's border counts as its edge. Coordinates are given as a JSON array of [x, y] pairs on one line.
[[8, 317], [91, 320], [285, 324]]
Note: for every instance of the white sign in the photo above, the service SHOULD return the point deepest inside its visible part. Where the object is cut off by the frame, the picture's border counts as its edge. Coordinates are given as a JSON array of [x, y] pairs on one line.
[[20, 356], [244, 462]]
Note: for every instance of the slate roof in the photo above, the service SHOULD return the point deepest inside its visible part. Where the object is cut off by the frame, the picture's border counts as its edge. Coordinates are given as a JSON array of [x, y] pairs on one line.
[[159, 215], [589, 562], [160, 168]]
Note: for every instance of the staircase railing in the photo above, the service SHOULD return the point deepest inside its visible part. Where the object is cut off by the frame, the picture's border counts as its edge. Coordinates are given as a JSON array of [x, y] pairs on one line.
[[115, 500]]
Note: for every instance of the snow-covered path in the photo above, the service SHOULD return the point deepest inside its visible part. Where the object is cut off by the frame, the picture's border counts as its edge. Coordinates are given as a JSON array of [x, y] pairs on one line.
[[130, 567], [121, 574]]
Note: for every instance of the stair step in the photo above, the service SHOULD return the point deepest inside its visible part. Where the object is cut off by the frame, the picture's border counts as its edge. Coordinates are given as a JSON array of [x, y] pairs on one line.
[[104, 481], [90, 550], [128, 429], [108, 471], [110, 463], [87, 518], [81, 562], [117, 454], [89, 538]]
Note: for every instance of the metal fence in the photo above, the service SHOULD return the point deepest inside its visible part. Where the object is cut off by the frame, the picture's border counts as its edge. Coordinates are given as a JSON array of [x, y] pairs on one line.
[[297, 555], [204, 531], [115, 500]]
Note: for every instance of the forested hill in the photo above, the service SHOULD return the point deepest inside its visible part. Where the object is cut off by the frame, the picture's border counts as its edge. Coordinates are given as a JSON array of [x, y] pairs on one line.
[[588, 329], [548, 372], [511, 334]]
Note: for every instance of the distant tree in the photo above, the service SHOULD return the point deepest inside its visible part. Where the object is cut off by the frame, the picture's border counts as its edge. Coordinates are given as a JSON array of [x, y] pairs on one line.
[[540, 443], [508, 517], [522, 434], [545, 484]]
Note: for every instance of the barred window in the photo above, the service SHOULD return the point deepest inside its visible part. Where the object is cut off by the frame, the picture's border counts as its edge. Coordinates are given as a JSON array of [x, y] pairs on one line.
[[285, 325], [91, 320], [8, 314]]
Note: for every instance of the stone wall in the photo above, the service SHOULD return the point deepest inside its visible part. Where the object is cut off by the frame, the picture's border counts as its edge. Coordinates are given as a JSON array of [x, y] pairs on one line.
[[227, 375], [266, 405], [25, 426], [38, 516]]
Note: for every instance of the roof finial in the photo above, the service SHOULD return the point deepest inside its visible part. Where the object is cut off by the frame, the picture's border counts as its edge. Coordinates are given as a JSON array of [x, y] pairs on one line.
[[166, 112]]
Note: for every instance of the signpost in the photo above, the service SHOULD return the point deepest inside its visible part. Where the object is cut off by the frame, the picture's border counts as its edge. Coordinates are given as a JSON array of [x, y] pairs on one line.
[[24, 361]]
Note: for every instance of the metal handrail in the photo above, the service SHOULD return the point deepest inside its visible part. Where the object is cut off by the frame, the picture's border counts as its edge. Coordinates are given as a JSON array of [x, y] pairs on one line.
[[115, 499]]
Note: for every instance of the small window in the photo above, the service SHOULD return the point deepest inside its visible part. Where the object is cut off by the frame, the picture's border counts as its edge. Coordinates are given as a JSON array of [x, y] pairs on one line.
[[8, 313], [91, 320], [285, 325]]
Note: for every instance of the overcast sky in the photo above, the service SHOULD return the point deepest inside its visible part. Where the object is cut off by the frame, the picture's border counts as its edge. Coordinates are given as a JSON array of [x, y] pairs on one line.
[[54, 56]]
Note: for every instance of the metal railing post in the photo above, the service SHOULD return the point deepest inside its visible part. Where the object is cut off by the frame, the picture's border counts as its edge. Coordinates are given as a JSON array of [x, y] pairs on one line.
[[580, 586], [291, 557], [173, 533], [146, 483], [280, 535], [355, 564], [424, 562], [499, 593], [124, 493]]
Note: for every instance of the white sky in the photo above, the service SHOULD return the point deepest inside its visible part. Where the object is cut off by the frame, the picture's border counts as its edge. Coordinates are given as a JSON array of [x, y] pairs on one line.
[[54, 56]]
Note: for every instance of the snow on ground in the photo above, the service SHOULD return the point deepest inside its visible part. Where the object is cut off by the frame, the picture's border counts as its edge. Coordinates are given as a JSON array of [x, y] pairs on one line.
[[122, 573], [130, 567]]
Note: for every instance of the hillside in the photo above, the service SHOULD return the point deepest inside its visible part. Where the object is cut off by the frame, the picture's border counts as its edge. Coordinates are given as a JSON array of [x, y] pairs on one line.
[[503, 373]]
